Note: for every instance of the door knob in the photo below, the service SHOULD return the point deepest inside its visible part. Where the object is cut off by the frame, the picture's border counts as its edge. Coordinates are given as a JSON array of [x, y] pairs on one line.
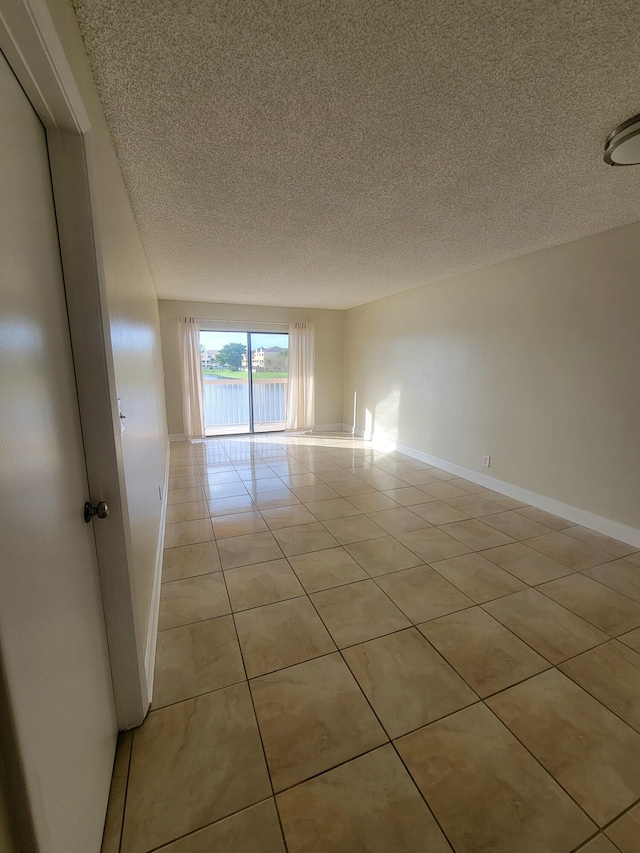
[[101, 509]]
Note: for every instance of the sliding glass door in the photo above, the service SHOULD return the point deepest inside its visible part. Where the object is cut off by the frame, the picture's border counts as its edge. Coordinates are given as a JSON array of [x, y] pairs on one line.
[[269, 370], [227, 398], [245, 381]]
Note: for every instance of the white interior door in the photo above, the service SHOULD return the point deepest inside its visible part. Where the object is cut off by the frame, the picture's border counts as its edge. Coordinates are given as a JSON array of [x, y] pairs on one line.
[[52, 633]]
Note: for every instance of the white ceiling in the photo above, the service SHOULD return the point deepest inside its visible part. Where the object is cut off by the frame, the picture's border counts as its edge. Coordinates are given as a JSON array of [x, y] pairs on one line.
[[326, 153]]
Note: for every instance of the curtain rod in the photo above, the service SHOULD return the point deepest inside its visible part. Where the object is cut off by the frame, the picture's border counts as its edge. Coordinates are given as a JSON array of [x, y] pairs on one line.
[[249, 322]]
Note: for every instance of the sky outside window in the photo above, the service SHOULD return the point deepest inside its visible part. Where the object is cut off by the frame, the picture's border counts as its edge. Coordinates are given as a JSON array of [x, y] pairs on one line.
[[216, 340]]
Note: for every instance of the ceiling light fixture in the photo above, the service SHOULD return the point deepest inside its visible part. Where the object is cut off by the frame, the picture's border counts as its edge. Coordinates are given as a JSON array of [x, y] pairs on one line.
[[622, 147]]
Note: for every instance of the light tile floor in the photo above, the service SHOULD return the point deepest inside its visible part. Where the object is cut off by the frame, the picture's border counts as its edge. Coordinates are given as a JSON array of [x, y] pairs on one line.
[[360, 652]]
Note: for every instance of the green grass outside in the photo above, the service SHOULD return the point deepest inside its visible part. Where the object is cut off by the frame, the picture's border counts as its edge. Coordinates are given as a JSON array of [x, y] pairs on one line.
[[242, 374]]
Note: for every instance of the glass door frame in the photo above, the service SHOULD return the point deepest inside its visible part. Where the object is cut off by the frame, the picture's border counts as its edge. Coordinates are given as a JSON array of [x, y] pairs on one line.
[[249, 376]]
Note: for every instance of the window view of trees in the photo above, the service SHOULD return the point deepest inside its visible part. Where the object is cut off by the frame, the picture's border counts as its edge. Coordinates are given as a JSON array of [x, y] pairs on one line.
[[230, 357], [223, 356]]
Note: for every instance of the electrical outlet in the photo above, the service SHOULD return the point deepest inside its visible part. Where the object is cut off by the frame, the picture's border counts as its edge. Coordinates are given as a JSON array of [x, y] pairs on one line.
[[486, 461]]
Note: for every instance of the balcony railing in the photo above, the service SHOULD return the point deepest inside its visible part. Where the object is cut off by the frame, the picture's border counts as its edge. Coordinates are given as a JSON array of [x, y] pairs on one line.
[[226, 404]]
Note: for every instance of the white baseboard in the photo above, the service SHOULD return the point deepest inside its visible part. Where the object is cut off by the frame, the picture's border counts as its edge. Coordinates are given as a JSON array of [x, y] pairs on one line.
[[328, 428], [606, 526], [152, 631], [178, 436]]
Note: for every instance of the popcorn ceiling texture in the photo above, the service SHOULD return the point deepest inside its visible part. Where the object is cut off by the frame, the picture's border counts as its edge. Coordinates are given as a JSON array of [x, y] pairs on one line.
[[331, 152]]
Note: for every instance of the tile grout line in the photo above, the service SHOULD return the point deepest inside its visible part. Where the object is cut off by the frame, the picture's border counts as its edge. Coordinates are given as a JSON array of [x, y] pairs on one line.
[[453, 667], [424, 799], [337, 650], [374, 578], [389, 634], [167, 844], [244, 681], [621, 815], [414, 625], [589, 693], [478, 518], [475, 603], [541, 765], [390, 739], [255, 716], [588, 621]]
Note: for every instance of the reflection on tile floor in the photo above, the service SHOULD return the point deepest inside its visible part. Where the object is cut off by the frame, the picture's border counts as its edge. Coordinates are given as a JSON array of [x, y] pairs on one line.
[[359, 652]]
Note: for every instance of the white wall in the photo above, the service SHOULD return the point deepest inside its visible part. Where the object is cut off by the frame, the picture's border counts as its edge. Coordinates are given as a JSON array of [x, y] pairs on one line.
[[535, 361], [329, 349], [134, 323]]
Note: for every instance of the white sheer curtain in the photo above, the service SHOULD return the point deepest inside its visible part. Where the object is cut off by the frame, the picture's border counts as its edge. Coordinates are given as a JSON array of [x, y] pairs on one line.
[[301, 410], [192, 384]]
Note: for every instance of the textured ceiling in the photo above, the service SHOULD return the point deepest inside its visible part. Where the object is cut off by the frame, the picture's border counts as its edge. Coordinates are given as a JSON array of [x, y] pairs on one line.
[[327, 153]]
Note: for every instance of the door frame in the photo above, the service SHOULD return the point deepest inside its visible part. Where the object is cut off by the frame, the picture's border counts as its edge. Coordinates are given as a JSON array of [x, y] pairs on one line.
[[248, 333], [249, 377], [32, 47]]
